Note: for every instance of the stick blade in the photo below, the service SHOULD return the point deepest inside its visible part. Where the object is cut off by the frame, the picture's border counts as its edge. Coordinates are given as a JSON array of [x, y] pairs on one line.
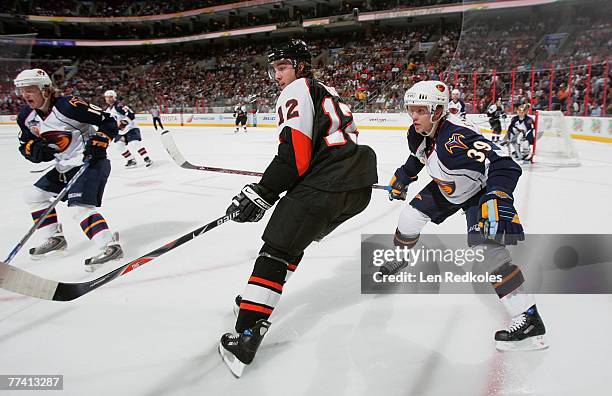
[[22, 282], [170, 146]]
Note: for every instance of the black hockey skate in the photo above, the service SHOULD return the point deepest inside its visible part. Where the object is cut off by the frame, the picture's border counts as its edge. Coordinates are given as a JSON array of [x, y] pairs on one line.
[[148, 162], [54, 244], [238, 350], [112, 251], [525, 333], [393, 267], [131, 164]]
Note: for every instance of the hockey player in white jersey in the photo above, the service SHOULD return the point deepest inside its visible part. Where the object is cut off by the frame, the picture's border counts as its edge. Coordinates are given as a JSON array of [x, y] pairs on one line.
[[470, 173], [240, 114], [456, 106], [128, 140], [521, 134], [61, 129]]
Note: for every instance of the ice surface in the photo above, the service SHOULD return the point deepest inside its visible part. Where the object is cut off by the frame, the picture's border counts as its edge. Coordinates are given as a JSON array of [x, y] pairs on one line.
[[155, 331]]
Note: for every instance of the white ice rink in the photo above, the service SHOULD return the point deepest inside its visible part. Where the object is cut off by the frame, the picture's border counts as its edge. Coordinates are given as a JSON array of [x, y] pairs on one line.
[[155, 330]]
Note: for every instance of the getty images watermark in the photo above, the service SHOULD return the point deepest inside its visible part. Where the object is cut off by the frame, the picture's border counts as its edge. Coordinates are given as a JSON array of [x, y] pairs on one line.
[[404, 260], [454, 264]]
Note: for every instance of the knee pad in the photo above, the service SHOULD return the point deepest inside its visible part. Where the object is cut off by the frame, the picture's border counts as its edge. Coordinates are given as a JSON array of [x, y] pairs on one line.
[[37, 198], [134, 145], [120, 146], [80, 212], [411, 222]]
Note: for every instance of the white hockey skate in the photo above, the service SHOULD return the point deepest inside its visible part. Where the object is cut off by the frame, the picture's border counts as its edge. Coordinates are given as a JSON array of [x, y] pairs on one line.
[[55, 244], [112, 251]]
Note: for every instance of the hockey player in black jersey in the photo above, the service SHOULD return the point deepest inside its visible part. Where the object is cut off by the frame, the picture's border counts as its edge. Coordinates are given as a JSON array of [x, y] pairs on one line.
[[240, 114], [328, 178], [60, 129], [521, 134], [470, 173], [495, 112]]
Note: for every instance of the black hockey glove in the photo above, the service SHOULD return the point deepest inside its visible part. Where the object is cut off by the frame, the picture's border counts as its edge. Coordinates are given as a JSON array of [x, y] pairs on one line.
[[398, 186], [36, 150], [498, 218], [95, 149], [252, 201]]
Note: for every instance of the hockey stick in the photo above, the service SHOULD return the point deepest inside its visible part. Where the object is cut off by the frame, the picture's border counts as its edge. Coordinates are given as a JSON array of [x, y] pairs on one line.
[[27, 284], [42, 170], [177, 156], [42, 217]]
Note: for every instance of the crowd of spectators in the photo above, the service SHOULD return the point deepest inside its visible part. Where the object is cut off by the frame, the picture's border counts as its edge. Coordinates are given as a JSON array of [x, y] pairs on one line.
[[370, 68], [115, 8]]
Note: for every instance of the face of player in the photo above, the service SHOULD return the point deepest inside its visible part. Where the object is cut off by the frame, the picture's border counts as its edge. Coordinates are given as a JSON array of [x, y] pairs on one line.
[[455, 97], [33, 97], [421, 118], [284, 73], [110, 100], [521, 113]]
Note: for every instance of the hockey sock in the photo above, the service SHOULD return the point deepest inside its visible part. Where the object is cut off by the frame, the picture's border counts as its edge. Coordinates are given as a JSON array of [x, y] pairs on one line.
[[49, 224], [38, 201], [136, 146], [262, 292], [292, 266], [93, 225], [407, 241], [124, 151], [509, 289]]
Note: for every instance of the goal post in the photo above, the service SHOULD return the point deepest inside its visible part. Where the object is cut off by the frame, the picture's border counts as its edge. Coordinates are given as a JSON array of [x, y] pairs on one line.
[[553, 144]]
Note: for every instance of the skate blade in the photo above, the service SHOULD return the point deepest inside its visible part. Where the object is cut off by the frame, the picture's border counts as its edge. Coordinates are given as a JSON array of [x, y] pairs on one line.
[[92, 267], [528, 344], [89, 267], [53, 253], [232, 362]]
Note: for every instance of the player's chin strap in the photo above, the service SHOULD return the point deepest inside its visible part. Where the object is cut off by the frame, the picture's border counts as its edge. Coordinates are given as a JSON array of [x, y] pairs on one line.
[[434, 127]]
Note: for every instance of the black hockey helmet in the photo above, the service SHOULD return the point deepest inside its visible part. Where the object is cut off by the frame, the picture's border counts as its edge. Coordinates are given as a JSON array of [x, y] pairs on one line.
[[296, 51]]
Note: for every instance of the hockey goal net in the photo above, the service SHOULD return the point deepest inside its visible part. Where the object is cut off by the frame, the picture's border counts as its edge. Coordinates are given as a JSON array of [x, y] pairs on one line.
[[553, 144]]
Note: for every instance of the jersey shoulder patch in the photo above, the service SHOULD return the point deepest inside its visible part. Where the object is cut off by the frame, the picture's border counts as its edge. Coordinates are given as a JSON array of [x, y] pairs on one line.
[[295, 108]]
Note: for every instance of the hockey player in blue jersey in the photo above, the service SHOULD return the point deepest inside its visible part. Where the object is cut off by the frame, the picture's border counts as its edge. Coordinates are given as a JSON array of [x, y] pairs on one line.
[[61, 129], [128, 139], [470, 173]]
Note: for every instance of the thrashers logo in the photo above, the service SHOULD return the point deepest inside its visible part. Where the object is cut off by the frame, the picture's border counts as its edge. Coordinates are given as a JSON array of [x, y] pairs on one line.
[[61, 139], [455, 142], [440, 87], [447, 187]]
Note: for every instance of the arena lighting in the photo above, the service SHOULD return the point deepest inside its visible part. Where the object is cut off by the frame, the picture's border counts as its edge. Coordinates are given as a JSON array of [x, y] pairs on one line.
[[145, 18], [421, 11], [270, 28]]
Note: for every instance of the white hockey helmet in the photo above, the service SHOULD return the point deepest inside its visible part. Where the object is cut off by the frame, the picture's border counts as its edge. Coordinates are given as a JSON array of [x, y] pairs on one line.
[[30, 77], [110, 92], [428, 93], [455, 92]]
